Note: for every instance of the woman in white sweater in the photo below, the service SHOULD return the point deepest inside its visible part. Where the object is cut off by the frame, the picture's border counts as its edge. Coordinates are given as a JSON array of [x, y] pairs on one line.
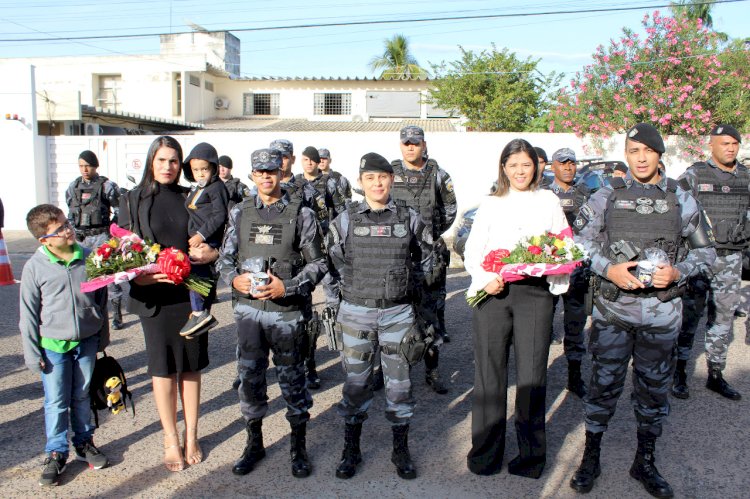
[[517, 313]]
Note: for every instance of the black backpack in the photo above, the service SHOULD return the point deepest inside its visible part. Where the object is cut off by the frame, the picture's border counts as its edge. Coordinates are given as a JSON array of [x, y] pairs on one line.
[[107, 367]]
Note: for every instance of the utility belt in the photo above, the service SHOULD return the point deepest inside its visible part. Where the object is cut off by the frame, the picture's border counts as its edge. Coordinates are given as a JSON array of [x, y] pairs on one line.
[[294, 304], [411, 349], [609, 291], [376, 302], [91, 231]]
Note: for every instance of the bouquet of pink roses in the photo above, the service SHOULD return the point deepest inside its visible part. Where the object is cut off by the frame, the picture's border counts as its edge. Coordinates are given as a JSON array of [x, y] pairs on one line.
[[547, 254], [126, 256]]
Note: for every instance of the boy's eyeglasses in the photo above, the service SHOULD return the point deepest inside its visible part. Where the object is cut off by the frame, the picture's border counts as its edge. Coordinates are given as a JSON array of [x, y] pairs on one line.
[[263, 173], [66, 227]]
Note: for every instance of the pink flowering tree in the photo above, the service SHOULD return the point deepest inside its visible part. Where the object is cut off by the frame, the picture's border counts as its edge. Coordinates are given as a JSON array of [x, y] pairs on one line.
[[680, 78]]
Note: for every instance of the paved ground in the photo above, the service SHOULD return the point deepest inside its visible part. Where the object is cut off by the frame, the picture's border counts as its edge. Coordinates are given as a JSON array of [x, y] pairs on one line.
[[702, 452]]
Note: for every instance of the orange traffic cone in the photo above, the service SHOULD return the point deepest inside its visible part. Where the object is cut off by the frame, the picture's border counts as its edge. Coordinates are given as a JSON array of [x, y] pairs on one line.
[[6, 273]]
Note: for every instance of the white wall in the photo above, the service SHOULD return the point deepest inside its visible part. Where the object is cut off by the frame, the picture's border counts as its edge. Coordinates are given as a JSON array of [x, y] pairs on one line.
[[470, 158]]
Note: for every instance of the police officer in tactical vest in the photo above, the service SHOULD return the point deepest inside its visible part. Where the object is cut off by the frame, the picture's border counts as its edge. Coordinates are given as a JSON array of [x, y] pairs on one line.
[[638, 310], [236, 189], [326, 187], [275, 228], [572, 197], [427, 188], [376, 245], [342, 183], [722, 186], [90, 199]]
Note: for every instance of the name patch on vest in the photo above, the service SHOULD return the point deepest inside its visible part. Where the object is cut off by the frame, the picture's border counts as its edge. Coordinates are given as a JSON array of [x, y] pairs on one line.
[[624, 204], [380, 231], [705, 187], [263, 234], [566, 203], [85, 196]]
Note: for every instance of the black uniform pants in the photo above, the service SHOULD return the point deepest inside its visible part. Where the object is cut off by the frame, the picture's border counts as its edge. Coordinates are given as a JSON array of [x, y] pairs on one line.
[[523, 312]]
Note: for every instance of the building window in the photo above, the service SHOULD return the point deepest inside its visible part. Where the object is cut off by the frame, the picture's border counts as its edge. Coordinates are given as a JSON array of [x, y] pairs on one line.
[[109, 92], [336, 104], [260, 104], [177, 94], [208, 85], [195, 81]]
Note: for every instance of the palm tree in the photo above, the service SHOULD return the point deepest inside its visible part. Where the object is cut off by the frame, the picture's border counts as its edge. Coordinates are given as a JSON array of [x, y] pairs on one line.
[[698, 9], [397, 62]]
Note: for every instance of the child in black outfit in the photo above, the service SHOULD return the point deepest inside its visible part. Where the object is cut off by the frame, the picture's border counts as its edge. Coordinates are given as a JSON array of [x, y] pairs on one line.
[[207, 205]]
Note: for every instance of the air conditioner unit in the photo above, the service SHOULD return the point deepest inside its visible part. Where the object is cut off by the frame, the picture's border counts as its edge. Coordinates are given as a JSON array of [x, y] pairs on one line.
[[91, 129], [221, 103]]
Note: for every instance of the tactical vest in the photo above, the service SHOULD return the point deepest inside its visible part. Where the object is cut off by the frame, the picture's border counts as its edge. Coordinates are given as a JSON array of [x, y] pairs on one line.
[[296, 189], [646, 218], [571, 201], [346, 193], [258, 236], [378, 258], [417, 188], [725, 203], [87, 208]]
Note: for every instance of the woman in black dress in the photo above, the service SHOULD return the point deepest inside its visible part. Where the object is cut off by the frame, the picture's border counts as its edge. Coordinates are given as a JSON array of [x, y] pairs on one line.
[[155, 211]]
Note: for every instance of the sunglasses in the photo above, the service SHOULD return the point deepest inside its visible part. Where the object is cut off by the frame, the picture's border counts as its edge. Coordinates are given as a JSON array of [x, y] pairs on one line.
[[66, 227]]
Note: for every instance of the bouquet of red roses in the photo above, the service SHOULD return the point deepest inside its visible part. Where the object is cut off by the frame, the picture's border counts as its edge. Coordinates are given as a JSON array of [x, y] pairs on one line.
[[547, 254], [126, 256]]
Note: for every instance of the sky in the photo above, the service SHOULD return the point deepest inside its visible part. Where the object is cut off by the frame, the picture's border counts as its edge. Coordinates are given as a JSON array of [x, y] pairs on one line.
[[563, 41]]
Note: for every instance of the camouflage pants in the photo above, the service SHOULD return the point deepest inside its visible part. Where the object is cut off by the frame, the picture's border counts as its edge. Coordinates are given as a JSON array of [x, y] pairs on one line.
[[721, 294], [259, 333], [574, 316], [365, 330], [114, 291], [650, 342]]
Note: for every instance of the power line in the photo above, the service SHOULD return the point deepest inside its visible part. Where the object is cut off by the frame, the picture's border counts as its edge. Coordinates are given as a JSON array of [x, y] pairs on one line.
[[381, 21]]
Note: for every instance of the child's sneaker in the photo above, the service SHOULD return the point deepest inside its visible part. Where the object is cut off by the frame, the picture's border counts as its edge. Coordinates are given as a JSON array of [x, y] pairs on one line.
[[88, 453], [54, 465], [198, 324]]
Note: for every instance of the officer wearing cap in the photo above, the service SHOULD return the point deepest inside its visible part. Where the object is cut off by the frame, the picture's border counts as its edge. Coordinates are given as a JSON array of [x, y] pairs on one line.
[[335, 204], [90, 199], [276, 227], [345, 188], [633, 320], [375, 245], [721, 185], [427, 188], [572, 196], [236, 189]]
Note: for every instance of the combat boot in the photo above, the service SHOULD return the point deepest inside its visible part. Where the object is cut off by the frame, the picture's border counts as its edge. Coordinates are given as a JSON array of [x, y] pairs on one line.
[[400, 455], [300, 462], [116, 314], [716, 383], [254, 450], [432, 378], [589, 470], [575, 383], [351, 456], [644, 470], [679, 386], [313, 380]]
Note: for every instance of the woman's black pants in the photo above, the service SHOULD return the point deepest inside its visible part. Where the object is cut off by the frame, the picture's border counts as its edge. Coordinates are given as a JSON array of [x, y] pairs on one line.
[[521, 315]]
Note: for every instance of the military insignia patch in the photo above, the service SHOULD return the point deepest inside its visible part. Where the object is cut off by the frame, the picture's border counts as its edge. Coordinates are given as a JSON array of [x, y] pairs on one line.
[[362, 163], [413, 180], [644, 209], [705, 187], [361, 231], [380, 230], [725, 189], [449, 186], [264, 157], [633, 133], [399, 230], [397, 178], [566, 202], [334, 234], [661, 206], [579, 224], [645, 201], [624, 204]]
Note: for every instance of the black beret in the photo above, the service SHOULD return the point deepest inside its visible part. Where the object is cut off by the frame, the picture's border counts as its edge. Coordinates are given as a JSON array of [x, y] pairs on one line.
[[374, 162], [225, 161], [648, 135], [89, 157], [204, 151], [312, 153], [726, 130]]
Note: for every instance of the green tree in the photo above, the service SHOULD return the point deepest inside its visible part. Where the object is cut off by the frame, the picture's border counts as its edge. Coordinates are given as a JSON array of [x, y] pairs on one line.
[[397, 62], [494, 90]]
